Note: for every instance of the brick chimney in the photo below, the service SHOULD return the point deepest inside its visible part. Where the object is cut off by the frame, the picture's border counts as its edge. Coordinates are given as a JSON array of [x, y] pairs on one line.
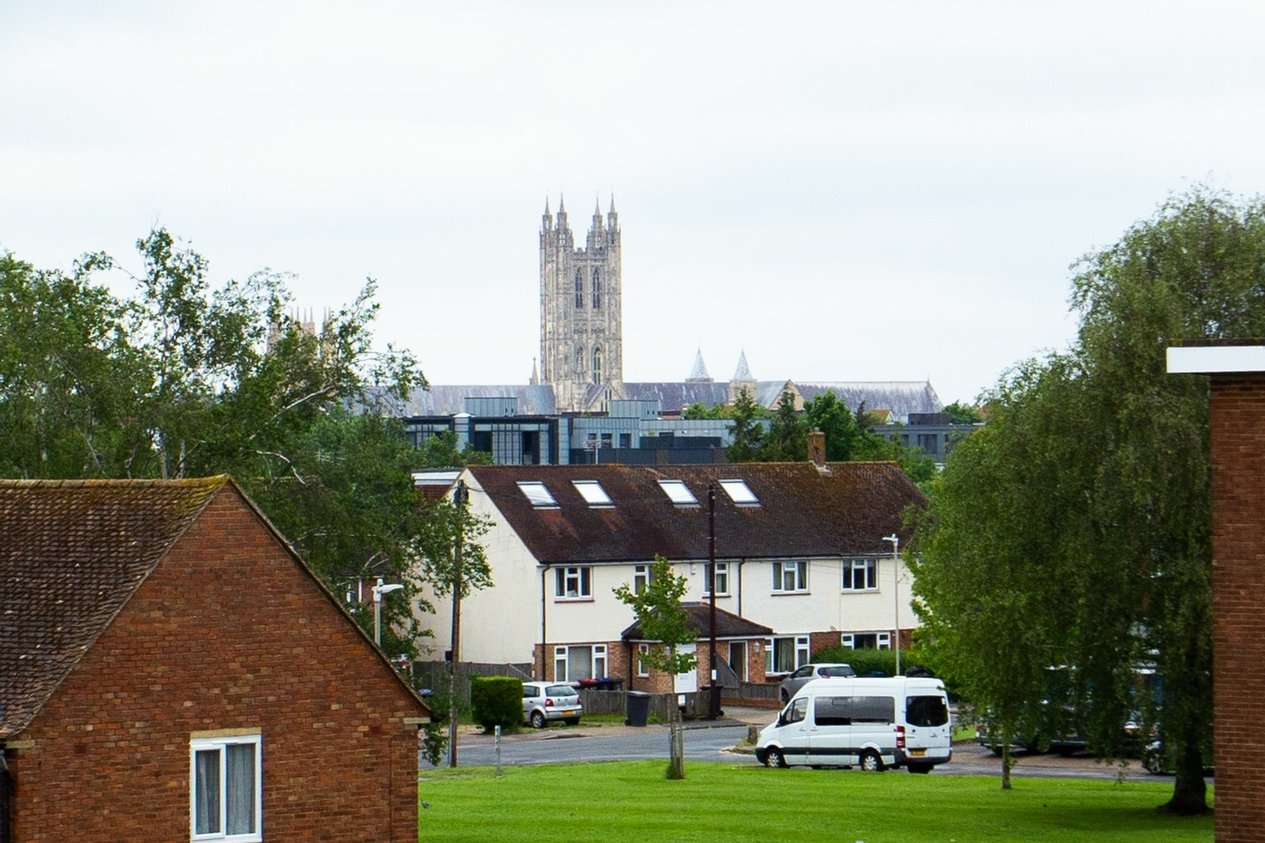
[[817, 447]]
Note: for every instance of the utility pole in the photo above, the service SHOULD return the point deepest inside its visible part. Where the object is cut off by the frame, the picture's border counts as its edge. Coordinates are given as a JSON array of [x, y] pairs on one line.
[[459, 499], [713, 707]]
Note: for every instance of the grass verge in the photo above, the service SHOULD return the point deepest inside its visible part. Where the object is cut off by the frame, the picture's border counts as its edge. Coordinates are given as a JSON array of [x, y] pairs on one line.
[[739, 802]]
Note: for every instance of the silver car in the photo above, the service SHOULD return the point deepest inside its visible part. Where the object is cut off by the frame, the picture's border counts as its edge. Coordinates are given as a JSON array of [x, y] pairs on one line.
[[808, 672], [545, 701]]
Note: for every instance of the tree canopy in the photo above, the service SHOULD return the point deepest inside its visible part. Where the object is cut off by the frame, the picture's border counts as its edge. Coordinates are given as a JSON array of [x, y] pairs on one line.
[[186, 378], [1074, 528]]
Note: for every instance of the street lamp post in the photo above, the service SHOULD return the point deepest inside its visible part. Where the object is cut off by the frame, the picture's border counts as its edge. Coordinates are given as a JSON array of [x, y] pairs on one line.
[[378, 591], [895, 540]]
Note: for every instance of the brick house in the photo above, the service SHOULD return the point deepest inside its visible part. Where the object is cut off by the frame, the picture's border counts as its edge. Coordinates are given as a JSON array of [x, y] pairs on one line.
[[738, 643], [170, 669], [800, 551]]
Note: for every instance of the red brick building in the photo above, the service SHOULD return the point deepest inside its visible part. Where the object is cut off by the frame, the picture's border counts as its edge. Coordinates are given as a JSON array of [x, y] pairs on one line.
[[1237, 438], [170, 669]]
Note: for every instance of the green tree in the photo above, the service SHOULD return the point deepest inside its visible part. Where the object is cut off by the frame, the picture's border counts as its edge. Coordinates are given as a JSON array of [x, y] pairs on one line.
[[960, 413], [441, 451], [787, 439], [833, 418], [747, 435], [1089, 484], [661, 617]]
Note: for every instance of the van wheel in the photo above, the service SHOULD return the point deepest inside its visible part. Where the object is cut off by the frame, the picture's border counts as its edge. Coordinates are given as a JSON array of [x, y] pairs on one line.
[[920, 768], [774, 758], [871, 762], [538, 719]]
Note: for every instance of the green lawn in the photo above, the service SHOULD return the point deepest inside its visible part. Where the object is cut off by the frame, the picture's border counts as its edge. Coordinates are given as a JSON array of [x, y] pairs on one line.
[[717, 801]]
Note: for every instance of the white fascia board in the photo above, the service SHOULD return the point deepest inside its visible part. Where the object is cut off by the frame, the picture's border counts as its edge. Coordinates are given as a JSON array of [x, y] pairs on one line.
[[1214, 359]]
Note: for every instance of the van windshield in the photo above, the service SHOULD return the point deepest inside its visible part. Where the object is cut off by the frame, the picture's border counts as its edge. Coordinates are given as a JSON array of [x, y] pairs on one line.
[[926, 711]]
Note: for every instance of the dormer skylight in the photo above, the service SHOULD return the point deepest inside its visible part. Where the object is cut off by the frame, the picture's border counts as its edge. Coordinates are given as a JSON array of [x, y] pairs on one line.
[[537, 494], [739, 492], [593, 492], [678, 492]]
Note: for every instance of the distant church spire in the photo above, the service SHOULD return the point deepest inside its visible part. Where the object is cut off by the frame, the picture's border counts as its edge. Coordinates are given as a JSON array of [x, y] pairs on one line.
[[699, 373], [744, 371], [535, 374]]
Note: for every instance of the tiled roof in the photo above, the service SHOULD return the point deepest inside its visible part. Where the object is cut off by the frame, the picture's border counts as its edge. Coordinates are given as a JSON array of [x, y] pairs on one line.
[[802, 512], [728, 625], [71, 554], [901, 397], [533, 400]]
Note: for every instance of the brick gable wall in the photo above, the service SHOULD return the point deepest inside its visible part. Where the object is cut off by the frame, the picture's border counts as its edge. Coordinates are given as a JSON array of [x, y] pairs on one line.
[[1238, 583], [227, 633]]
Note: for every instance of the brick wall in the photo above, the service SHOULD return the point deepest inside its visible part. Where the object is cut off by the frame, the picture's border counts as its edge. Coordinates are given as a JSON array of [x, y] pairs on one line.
[[227, 633], [1238, 585]]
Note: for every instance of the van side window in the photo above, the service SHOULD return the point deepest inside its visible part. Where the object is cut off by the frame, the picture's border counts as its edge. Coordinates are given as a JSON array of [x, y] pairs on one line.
[[926, 711], [796, 710], [844, 711]]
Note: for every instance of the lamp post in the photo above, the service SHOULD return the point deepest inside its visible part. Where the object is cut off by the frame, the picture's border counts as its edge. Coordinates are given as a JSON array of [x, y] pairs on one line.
[[378, 591], [895, 540]]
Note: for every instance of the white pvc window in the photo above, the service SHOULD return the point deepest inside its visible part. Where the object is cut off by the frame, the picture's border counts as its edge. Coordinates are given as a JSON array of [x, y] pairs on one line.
[[866, 640], [722, 578], [860, 575], [789, 577], [643, 668], [678, 492], [536, 493], [593, 493], [739, 492], [643, 575], [784, 654], [225, 788], [573, 583]]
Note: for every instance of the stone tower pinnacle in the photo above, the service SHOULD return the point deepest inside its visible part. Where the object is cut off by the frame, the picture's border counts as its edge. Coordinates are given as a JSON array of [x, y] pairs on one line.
[[581, 328]]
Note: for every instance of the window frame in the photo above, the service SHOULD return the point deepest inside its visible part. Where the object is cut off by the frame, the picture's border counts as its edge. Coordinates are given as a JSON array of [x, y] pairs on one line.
[[797, 568], [583, 575], [722, 579], [678, 492], [800, 654], [598, 654], [643, 575], [869, 574], [593, 493], [220, 743], [882, 640], [537, 494], [643, 668], [738, 491]]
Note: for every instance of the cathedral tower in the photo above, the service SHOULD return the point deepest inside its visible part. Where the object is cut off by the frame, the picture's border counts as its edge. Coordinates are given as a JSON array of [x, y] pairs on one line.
[[581, 331]]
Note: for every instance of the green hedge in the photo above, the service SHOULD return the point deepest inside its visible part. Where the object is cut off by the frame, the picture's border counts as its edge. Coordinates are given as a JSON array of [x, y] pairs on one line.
[[867, 661], [497, 701]]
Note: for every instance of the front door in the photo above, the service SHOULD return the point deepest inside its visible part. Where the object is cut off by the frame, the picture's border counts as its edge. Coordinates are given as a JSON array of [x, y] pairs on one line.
[[738, 660]]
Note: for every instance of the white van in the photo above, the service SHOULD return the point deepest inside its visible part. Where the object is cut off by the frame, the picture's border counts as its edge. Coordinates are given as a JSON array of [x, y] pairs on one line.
[[866, 722]]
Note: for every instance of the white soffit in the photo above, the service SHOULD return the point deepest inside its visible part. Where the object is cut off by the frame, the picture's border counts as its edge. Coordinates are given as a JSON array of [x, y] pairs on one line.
[[1213, 359]]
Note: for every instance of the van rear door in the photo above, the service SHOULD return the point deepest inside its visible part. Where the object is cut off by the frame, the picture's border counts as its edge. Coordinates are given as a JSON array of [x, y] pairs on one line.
[[927, 730]]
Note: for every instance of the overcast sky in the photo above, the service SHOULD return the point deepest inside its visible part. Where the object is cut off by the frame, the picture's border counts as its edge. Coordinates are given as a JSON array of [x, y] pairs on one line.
[[847, 191]]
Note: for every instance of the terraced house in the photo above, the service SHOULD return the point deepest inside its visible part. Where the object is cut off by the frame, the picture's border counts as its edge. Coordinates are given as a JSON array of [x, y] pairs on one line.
[[802, 562]]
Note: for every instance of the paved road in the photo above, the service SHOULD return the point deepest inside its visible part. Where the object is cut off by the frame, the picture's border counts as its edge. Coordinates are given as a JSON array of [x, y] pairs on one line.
[[604, 742]]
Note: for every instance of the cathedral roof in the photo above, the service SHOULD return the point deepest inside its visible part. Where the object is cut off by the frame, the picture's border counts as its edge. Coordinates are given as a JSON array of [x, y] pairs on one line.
[[533, 400], [901, 397]]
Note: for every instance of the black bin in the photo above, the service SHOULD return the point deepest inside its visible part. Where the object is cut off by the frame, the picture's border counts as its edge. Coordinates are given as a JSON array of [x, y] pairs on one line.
[[638, 708]]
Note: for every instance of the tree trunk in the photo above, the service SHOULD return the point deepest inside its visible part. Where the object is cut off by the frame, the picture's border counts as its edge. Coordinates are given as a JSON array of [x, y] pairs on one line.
[[1189, 788], [1007, 761], [676, 741]]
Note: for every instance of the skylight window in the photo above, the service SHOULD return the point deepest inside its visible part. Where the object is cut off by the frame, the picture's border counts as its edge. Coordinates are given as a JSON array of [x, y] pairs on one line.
[[536, 493], [739, 493], [678, 492], [592, 492]]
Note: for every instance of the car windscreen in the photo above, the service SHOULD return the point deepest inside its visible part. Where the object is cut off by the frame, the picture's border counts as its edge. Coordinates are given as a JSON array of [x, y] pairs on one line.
[[560, 691], [926, 711]]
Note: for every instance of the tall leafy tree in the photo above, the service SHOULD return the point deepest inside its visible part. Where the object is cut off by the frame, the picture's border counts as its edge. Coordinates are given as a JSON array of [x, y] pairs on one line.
[[833, 418], [1088, 488], [661, 617], [747, 435], [787, 437]]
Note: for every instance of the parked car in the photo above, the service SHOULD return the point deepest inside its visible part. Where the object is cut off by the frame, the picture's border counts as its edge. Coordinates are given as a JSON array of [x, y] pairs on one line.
[[808, 672], [546, 701], [1157, 759]]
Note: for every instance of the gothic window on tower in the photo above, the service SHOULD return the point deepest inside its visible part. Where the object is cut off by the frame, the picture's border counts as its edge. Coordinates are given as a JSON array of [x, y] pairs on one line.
[[579, 289], [597, 288], [579, 362], [597, 364]]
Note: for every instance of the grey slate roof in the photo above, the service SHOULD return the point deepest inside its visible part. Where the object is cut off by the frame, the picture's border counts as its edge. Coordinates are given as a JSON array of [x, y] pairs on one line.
[[803, 512], [71, 554], [901, 397], [533, 399]]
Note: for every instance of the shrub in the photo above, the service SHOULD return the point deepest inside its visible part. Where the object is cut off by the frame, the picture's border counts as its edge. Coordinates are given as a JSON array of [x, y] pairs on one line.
[[497, 701], [868, 661]]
